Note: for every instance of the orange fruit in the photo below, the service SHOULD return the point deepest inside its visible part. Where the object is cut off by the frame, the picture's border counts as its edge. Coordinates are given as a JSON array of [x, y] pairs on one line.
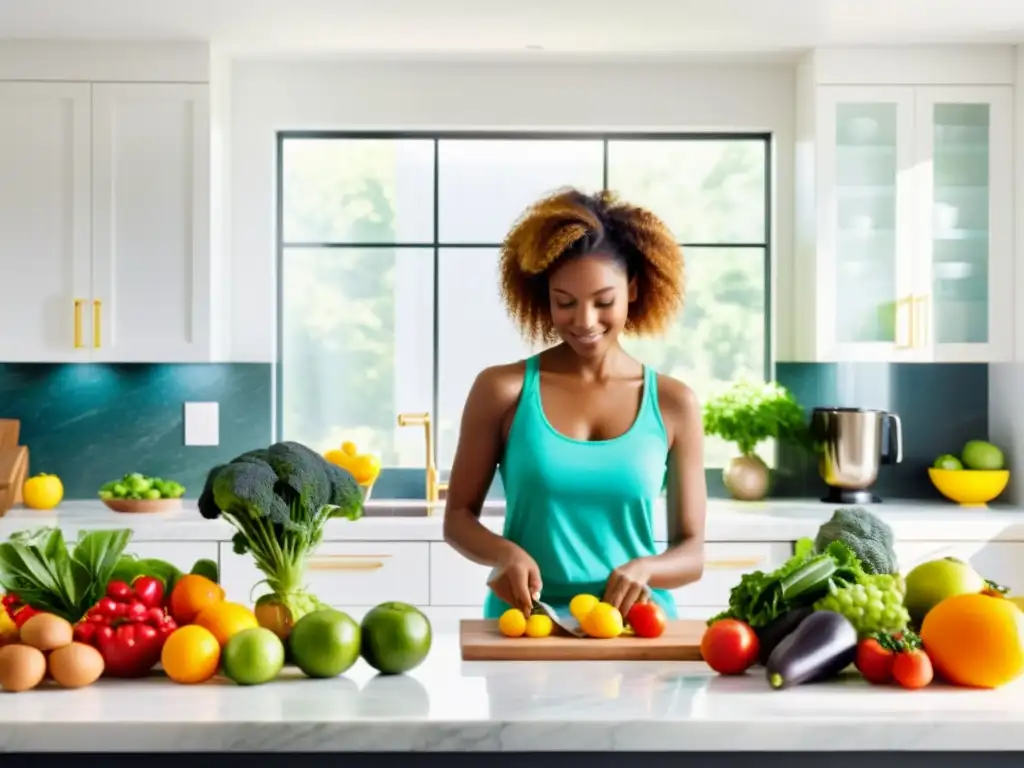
[[975, 640], [190, 655], [192, 594], [225, 620]]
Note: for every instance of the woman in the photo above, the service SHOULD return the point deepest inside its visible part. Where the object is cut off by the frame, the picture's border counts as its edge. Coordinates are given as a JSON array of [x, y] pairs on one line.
[[585, 437]]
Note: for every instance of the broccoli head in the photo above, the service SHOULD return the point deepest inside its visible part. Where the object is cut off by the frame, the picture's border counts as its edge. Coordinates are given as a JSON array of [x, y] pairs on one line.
[[287, 483], [867, 535]]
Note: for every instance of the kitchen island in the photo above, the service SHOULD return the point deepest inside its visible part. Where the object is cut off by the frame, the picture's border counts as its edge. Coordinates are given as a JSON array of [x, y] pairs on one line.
[[447, 705]]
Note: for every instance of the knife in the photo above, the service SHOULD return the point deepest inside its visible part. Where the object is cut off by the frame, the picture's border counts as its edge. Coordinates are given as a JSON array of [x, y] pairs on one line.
[[569, 624]]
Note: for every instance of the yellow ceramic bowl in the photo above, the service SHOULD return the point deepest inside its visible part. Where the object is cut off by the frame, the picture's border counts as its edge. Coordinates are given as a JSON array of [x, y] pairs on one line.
[[969, 487]]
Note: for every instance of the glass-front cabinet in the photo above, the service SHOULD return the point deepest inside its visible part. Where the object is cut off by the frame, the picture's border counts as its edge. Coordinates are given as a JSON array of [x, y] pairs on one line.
[[914, 231]]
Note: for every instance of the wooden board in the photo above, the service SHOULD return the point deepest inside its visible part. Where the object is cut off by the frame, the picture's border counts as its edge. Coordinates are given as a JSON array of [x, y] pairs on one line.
[[480, 640]]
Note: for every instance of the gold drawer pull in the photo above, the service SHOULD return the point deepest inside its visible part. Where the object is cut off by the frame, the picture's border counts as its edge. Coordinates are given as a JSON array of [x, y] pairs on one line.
[[78, 323], [346, 562], [97, 315], [748, 562]]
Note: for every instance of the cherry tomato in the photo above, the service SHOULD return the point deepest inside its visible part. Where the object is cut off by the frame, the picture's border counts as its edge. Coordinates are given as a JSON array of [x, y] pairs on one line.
[[912, 669], [730, 647], [646, 619], [874, 662]]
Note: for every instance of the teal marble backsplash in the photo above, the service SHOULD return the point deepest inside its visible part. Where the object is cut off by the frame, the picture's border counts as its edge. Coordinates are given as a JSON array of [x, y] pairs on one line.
[[89, 423], [941, 406]]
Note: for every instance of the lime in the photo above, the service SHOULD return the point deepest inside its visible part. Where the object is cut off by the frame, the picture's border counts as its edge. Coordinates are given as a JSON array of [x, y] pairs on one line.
[[948, 461], [396, 637], [325, 643], [253, 656], [979, 454]]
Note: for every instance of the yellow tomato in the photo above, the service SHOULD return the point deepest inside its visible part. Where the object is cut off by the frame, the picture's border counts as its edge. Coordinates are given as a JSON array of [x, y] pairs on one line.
[[603, 621], [42, 491], [350, 448], [581, 605], [539, 625], [512, 623]]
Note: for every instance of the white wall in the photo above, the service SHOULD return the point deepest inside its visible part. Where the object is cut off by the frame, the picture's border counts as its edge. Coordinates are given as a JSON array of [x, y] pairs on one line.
[[268, 96]]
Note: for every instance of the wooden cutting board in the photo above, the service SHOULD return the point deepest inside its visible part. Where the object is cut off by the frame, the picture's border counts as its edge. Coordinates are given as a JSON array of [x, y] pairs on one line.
[[480, 640]]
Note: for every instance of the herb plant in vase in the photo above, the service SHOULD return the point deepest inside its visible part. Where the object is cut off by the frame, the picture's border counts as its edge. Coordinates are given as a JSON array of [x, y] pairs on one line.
[[747, 413]]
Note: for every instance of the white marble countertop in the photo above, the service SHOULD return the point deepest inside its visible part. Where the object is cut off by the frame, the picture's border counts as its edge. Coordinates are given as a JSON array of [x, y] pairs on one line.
[[774, 520], [450, 705]]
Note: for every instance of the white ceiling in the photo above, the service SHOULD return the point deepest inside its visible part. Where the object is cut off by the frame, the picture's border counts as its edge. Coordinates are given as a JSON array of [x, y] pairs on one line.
[[489, 26]]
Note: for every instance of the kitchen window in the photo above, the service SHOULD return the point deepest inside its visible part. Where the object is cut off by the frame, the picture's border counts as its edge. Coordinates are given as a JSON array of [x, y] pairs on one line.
[[387, 258]]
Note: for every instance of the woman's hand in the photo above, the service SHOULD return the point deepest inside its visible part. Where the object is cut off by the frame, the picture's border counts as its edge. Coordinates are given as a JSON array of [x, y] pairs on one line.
[[516, 579], [627, 585]]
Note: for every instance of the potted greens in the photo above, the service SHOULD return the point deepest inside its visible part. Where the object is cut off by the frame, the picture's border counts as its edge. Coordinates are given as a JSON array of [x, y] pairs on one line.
[[747, 413]]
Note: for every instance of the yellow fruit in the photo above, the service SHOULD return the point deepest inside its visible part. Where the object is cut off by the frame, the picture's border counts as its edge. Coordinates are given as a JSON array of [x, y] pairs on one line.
[[581, 605], [225, 620], [364, 468], [338, 457], [512, 623], [350, 448], [539, 625], [190, 654], [42, 491], [603, 621]]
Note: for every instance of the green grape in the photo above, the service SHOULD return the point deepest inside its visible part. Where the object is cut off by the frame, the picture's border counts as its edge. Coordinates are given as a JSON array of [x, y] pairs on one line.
[[874, 605]]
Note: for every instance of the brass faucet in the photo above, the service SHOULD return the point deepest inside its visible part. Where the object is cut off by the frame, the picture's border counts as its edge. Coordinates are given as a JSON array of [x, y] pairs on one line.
[[434, 484]]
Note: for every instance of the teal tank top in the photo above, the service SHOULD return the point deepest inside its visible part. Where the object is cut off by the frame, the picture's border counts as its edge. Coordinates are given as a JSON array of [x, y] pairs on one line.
[[581, 508]]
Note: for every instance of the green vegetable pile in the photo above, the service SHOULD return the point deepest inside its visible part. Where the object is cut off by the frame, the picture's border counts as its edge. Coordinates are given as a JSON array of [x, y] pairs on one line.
[[135, 485], [279, 499], [829, 573]]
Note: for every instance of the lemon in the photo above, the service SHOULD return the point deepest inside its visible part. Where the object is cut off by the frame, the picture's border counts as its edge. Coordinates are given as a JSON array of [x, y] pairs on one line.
[[512, 623], [603, 621], [539, 625], [581, 605]]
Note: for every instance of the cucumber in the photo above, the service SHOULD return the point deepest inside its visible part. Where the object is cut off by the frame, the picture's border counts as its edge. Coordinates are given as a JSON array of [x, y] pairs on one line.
[[769, 637], [821, 646]]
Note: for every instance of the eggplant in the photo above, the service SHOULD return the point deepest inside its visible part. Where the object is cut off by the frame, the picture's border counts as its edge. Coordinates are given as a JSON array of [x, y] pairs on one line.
[[821, 647], [770, 636]]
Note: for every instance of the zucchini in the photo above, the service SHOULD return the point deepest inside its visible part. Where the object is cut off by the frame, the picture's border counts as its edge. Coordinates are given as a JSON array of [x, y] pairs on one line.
[[821, 646], [769, 637]]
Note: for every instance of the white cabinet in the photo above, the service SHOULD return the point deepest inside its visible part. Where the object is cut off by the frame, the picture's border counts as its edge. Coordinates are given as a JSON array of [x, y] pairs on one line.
[[904, 223], [45, 260], [104, 210], [343, 573], [150, 296]]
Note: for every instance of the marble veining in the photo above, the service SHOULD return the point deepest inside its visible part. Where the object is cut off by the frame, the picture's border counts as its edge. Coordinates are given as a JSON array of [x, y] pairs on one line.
[[450, 705]]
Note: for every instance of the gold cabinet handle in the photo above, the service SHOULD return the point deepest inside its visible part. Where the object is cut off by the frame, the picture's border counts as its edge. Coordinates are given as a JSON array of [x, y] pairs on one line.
[[97, 314], [78, 323], [920, 320], [346, 562], [908, 302], [742, 562]]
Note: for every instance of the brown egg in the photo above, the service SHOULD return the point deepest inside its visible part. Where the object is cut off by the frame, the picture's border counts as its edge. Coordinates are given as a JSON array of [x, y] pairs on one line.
[[47, 632], [76, 665], [22, 667]]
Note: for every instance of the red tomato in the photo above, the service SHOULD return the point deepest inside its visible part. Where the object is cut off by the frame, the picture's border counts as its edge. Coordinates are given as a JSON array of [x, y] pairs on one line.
[[874, 662], [912, 669], [646, 619], [730, 647]]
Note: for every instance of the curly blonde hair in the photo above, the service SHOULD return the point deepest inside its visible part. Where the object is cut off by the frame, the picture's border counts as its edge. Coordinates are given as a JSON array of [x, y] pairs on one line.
[[571, 223]]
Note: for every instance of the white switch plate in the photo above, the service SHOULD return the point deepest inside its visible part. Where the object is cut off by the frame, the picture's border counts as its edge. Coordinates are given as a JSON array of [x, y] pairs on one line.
[[202, 424]]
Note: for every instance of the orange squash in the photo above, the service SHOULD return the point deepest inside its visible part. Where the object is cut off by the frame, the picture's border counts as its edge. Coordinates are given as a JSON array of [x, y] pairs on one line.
[[975, 640]]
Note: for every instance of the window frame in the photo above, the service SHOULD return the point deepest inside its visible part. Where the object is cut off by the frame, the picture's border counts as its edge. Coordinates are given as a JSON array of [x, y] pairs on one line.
[[403, 489]]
